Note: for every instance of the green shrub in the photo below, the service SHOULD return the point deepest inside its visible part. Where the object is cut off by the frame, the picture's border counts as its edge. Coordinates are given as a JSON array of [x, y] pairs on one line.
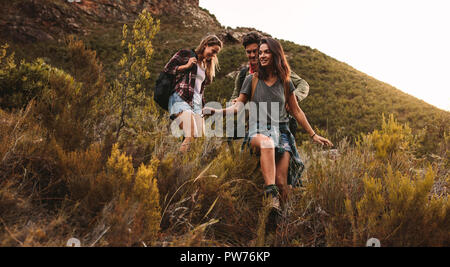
[[146, 191], [65, 107], [400, 210], [393, 137], [140, 189], [63, 176], [129, 89]]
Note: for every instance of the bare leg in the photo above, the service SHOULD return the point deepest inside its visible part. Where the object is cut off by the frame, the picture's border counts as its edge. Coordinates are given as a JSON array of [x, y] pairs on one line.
[[187, 124], [199, 125], [282, 166], [266, 146]]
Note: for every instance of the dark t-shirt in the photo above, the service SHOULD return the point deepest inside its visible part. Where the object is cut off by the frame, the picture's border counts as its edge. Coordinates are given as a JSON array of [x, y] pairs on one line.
[[267, 96]]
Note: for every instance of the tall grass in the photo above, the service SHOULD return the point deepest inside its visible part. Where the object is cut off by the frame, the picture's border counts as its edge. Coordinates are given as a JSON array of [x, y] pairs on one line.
[[58, 182]]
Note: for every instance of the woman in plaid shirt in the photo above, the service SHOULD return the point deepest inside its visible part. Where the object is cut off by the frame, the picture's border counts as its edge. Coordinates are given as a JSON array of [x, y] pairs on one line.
[[193, 69]]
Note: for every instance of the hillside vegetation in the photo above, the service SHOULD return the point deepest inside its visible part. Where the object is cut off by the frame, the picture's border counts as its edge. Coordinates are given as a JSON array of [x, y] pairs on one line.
[[86, 153]]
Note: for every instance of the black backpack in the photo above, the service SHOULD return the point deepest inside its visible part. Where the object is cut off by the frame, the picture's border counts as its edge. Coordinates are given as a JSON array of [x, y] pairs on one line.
[[165, 87], [242, 76]]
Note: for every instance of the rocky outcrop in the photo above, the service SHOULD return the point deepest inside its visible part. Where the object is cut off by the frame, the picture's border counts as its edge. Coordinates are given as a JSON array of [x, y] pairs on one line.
[[43, 20], [124, 9], [27, 21], [30, 21], [234, 36]]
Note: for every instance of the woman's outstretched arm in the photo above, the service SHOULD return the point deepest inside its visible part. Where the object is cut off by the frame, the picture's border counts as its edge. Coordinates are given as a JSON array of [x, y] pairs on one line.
[[235, 108], [300, 116]]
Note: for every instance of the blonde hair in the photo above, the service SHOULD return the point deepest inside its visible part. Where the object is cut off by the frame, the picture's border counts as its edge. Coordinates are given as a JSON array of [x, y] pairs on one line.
[[213, 65]]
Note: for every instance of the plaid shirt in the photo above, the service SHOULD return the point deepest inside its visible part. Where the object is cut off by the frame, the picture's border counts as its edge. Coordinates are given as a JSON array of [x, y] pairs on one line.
[[185, 80]]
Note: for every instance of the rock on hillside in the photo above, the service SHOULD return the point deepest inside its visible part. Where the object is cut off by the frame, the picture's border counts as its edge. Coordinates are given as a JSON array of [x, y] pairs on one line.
[[235, 35], [46, 20]]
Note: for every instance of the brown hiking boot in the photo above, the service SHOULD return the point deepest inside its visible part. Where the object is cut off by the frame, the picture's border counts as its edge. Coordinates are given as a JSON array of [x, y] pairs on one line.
[[274, 203], [273, 196]]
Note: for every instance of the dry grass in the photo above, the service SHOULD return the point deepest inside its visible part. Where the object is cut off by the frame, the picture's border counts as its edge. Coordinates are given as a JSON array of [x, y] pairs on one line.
[[212, 196], [57, 182]]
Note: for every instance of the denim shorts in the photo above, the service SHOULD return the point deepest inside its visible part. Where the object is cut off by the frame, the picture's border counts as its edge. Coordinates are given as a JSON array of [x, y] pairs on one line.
[[177, 105], [284, 143], [281, 140]]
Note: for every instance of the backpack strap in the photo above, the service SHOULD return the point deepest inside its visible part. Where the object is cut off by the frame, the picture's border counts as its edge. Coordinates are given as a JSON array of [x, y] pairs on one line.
[[286, 92], [242, 76], [193, 54], [254, 83]]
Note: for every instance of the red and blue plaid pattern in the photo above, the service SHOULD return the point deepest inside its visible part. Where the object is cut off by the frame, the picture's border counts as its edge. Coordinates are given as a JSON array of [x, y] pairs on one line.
[[185, 80]]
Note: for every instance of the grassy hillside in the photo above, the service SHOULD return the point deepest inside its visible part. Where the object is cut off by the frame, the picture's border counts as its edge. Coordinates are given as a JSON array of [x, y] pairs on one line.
[[64, 171], [342, 101]]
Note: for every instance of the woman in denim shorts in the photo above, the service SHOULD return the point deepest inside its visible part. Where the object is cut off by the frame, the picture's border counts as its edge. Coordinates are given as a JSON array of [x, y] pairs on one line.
[[193, 70], [269, 133]]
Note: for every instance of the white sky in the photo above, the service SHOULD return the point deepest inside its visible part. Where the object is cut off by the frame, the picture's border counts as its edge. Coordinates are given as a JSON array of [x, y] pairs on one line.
[[405, 43]]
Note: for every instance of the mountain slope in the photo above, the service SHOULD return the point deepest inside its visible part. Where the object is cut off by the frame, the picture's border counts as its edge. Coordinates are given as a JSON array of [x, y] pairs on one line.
[[69, 168], [342, 101]]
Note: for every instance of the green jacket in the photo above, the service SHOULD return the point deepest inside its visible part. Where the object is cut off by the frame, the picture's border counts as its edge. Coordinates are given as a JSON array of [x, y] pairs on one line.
[[301, 91]]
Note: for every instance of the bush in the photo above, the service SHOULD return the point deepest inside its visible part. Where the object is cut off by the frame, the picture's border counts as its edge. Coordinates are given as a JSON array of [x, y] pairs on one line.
[[139, 191], [400, 211], [65, 107], [20, 84], [86, 179], [146, 191], [76, 162], [392, 138], [129, 89], [359, 194]]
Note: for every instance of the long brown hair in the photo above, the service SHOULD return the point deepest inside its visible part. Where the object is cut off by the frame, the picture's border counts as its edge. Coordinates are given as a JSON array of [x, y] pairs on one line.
[[213, 64], [280, 66]]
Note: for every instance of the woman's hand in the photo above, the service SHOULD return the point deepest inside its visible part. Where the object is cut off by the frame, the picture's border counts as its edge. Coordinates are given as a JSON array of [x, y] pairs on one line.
[[192, 61], [188, 65], [323, 141], [208, 111]]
